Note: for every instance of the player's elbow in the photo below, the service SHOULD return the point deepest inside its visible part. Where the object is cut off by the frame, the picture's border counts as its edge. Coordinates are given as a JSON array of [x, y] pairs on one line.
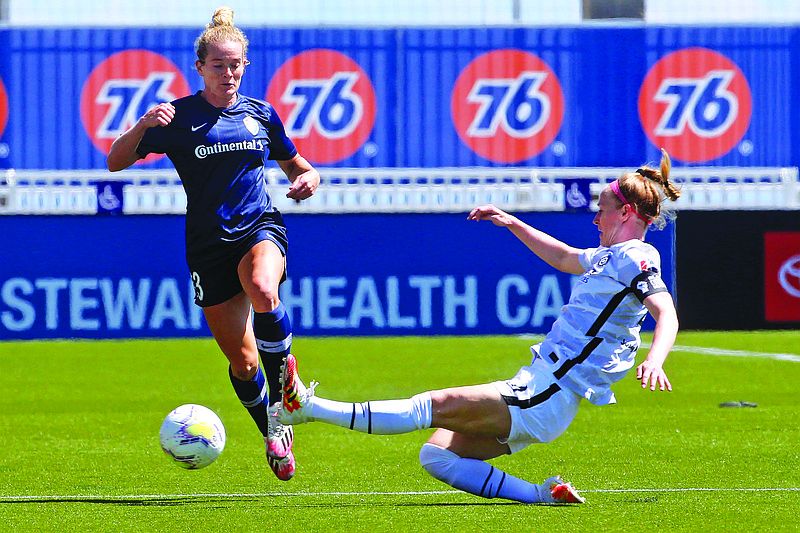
[[115, 164], [111, 163]]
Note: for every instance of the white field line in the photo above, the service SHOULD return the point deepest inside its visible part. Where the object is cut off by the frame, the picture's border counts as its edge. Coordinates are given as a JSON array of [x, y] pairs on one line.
[[113, 498], [733, 353], [707, 351]]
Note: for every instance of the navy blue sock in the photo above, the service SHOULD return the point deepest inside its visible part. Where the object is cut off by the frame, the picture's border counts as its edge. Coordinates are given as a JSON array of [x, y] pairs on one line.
[[273, 331], [251, 393]]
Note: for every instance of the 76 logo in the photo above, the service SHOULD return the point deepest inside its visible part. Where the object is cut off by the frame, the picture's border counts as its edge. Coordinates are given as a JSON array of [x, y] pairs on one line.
[[696, 104], [517, 106], [330, 106], [129, 99], [704, 105]]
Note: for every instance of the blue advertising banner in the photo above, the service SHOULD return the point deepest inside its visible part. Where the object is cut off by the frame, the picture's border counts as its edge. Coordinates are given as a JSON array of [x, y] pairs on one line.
[[90, 277], [427, 97], [367, 274]]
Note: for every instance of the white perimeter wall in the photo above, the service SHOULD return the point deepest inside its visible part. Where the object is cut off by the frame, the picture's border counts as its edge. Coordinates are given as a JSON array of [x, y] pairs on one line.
[[382, 12]]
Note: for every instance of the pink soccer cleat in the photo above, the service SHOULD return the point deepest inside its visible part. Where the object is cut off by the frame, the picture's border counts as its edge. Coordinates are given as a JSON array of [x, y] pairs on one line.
[[283, 468], [280, 437], [556, 490]]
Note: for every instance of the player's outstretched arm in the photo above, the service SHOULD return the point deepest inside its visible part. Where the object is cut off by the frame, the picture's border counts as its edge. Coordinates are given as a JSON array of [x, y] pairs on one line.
[[304, 177], [555, 253], [651, 371], [123, 150]]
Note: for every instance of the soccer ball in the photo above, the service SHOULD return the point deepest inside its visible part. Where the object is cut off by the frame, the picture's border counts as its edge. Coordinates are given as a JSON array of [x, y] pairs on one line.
[[192, 435]]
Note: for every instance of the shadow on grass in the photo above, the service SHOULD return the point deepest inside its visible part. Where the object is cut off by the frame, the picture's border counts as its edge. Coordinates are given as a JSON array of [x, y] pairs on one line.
[[429, 504], [132, 502], [158, 501]]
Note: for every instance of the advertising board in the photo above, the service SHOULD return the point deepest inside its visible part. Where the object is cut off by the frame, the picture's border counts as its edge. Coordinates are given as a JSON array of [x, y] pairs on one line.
[[359, 274]]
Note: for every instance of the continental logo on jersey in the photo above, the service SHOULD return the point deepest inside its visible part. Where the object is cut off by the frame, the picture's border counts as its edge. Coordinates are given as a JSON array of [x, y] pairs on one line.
[[202, 151]]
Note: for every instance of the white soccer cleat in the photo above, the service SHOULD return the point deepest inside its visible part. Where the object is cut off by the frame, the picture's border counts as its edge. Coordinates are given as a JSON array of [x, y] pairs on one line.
[[295, 407], [280, 437], [556, 490]]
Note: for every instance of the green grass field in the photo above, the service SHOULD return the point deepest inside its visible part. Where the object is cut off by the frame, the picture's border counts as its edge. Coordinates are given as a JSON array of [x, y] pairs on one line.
[[79, 439]]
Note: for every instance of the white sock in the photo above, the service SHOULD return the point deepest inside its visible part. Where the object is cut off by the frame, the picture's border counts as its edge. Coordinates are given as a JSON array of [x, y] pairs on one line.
[[476, 477], [384, 417]]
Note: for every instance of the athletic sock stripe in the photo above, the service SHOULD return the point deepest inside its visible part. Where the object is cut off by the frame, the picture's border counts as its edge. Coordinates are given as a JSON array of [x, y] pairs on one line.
[[587, 351], [353, 417], [258, 399], [606, 313], [500, 486], [533, 400], [369, 418], [275, 346], [486, 482]]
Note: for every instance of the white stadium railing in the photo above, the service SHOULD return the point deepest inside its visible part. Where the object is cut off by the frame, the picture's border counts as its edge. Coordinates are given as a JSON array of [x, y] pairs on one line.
[[393, 190]]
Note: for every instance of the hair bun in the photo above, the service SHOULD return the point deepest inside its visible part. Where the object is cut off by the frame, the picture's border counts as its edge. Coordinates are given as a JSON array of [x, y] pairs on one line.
[[223, 16]]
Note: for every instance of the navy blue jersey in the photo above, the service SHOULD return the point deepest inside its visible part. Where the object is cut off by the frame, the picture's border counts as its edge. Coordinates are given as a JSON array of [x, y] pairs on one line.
[[219, 155]]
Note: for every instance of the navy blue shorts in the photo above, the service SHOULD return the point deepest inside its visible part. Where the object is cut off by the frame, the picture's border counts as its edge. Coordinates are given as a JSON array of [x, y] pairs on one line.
[[218, 281]]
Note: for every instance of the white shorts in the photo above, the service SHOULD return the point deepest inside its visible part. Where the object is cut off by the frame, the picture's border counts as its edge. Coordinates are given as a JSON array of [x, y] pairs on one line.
[[541, 410]]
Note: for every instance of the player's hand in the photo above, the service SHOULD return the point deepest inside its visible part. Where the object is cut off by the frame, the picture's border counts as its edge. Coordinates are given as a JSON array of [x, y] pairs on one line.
[[490, 212], [304, 186], [160, 115], [651, 374]]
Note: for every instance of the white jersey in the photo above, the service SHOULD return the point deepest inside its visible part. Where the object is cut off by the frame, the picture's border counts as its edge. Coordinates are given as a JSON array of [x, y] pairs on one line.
[[593, 342]]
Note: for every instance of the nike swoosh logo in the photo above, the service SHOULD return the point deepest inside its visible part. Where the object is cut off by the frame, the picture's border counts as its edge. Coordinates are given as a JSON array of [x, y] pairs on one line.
[[195, 128]]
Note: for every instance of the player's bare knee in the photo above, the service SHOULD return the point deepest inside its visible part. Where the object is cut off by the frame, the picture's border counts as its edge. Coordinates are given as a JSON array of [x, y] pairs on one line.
[[264, 297], [244, 370]]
